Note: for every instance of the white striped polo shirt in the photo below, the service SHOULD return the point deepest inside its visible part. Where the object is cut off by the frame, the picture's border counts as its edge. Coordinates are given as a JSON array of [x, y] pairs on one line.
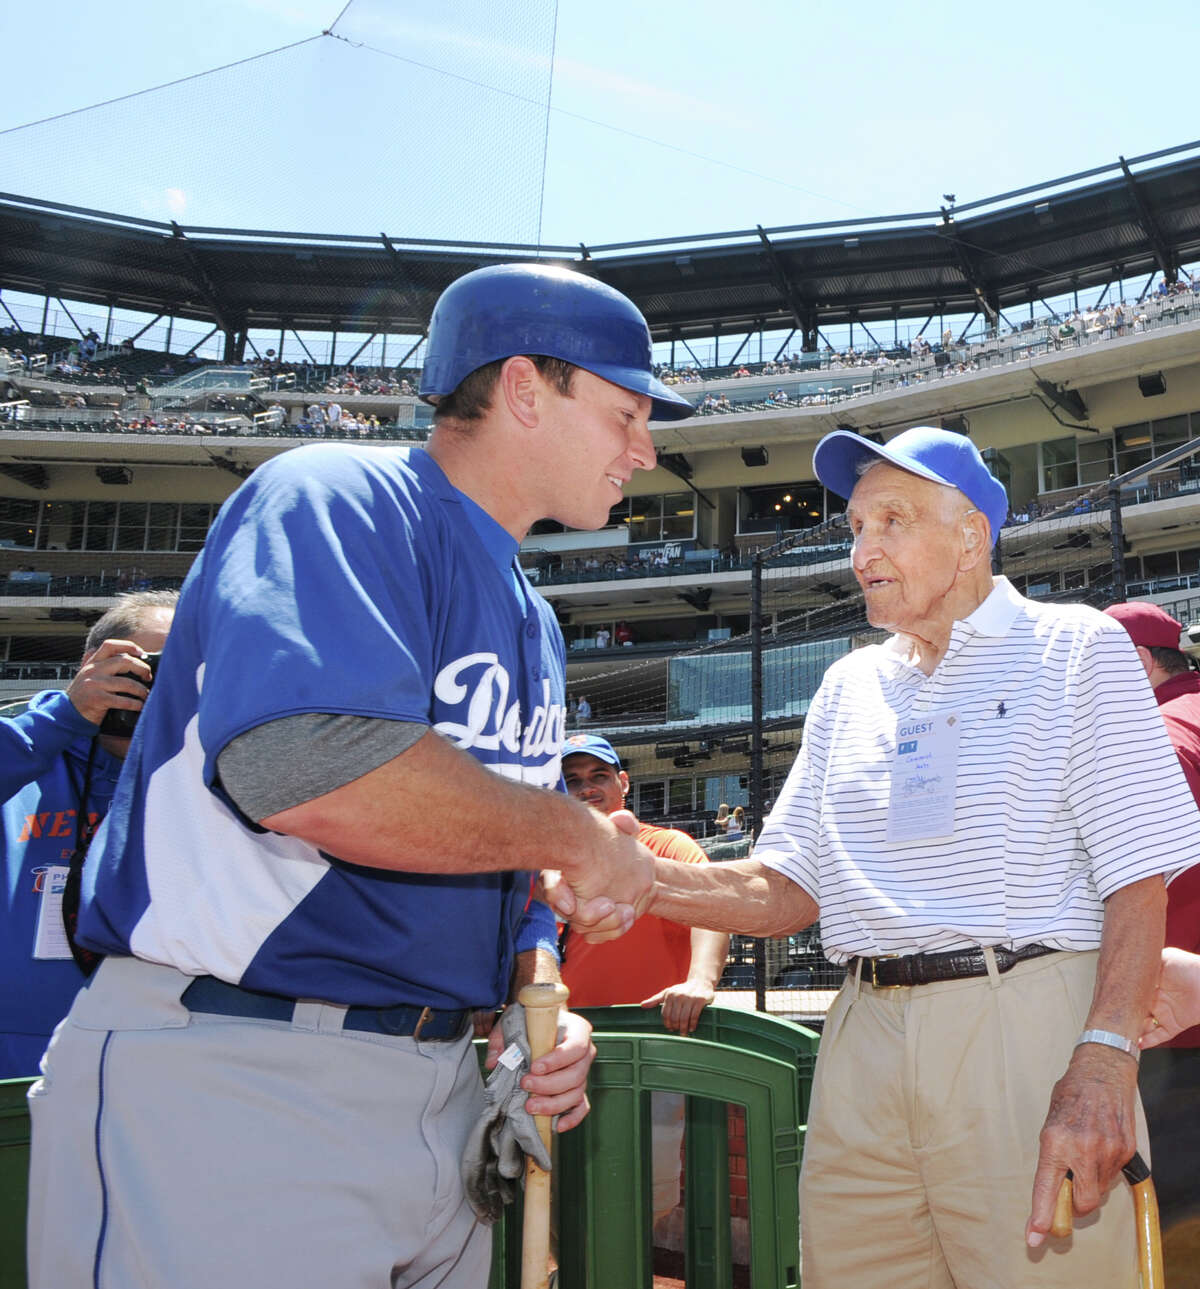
[[1067, 788]]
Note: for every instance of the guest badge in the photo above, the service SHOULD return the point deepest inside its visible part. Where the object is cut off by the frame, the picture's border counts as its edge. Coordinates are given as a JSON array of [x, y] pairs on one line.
[[924, 777], [50, 937]]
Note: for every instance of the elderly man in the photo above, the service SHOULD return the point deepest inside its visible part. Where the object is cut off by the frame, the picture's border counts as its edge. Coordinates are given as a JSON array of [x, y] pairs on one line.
[[982, 812]]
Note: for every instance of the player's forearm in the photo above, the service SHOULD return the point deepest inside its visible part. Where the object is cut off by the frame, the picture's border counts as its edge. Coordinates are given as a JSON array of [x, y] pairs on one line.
[[435, 809], [534, 967], [709, 951], [744, 897], [1130, 957]]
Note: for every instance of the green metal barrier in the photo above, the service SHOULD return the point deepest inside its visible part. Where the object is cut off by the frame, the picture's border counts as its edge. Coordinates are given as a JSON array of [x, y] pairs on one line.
[[604, 1223], [603, 1183], [14, 1180]]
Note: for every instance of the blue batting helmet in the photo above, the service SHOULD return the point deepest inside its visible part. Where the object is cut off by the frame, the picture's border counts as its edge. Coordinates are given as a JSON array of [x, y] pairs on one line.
[[510, 309]]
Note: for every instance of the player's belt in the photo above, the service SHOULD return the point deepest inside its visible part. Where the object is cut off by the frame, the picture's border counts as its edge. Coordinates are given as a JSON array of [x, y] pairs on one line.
[[216, 997], [897, 971]]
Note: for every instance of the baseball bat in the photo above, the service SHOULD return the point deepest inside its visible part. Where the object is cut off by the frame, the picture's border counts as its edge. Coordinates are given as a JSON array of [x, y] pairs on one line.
[[542, 1003]]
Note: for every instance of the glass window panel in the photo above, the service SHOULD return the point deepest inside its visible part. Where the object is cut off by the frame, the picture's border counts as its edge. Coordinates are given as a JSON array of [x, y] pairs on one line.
[[645, 519], [682, 795], [193, 525], [1134, 446], [18, 521], [131, 526], [1095, 460], [62, 526], [101, 525], [1164, 564], [1169, 433], [781, 507], [164, 526], [1059, 465], [1189, 559], [679, 516], [651, 799]]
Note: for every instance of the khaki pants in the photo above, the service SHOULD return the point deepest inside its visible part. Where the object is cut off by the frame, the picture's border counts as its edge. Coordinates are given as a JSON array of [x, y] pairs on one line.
[[923, 1138]]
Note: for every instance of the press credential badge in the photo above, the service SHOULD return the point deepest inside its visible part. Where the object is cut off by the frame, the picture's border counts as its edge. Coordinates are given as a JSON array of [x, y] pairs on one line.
[[924, 776]]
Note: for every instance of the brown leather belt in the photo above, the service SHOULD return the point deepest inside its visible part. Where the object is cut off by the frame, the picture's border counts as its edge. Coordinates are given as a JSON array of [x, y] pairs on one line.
[[896, 971]]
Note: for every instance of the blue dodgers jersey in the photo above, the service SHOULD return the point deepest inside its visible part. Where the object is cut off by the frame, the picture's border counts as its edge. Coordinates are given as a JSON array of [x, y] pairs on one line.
[[346, 580]]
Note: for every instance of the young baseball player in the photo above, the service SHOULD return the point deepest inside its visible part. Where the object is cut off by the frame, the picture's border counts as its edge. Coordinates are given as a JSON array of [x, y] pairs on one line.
[[270, 1079]]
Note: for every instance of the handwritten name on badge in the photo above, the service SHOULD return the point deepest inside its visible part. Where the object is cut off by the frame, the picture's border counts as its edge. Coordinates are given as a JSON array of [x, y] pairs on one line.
[[924, 778]]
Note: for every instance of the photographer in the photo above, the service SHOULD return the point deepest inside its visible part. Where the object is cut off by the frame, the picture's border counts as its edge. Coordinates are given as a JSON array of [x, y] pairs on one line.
[[58, 768]]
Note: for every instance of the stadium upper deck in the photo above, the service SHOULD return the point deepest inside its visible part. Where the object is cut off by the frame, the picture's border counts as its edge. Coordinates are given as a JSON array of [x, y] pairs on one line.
[[981, 258]]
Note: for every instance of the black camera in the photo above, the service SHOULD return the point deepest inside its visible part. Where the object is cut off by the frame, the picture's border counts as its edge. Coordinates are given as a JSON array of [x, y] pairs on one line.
[[120, 721]]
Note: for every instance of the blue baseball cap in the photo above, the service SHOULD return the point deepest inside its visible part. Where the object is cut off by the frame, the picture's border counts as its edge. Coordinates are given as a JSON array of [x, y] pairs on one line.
[[592, 745], [939, 455]]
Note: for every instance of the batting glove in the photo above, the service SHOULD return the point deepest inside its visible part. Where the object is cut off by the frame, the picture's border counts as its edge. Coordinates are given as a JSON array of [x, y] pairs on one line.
[[493, 1164]]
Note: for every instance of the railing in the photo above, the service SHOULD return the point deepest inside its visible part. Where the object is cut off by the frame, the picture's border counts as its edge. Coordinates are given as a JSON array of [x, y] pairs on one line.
[[874, 372], [38, 671], [82, 585]]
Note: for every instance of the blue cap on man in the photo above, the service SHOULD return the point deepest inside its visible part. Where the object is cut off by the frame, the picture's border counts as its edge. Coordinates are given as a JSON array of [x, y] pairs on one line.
[[939, 455], [592, 745]]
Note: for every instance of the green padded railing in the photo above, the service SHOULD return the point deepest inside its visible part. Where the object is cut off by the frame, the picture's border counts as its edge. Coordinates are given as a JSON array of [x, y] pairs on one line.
[[602, 1193], [14, 1180]]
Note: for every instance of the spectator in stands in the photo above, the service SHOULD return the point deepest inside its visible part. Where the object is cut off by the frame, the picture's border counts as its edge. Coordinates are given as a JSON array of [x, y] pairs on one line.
[[735, 829], [721, 822], [603, 638], [57, 774], [658, 964], [623, 635], [1170, 1076], [584, 709], [983, 910]]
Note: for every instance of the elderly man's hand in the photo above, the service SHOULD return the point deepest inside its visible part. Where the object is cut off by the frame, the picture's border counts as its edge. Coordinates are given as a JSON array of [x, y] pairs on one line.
[[101, 682], [1090, 1129], [1176, 1004], [601, 893]]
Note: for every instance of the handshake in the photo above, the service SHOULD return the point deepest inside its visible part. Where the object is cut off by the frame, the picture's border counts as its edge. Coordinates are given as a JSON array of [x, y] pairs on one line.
[[606, 886]]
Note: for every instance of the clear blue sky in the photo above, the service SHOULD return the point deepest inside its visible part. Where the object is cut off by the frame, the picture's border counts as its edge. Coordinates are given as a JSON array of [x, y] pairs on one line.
[[430, 120]]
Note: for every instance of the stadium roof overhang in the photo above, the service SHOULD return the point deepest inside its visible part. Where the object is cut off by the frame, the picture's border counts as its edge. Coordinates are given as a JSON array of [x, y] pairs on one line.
[[992, 255]]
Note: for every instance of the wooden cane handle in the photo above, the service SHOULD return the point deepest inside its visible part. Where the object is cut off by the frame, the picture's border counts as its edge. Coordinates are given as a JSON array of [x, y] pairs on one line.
[[1149, 1236], [1064, 1209], [542, 1003]]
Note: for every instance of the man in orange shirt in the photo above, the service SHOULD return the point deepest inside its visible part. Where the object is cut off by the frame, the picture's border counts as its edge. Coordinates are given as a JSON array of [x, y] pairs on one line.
[[676, 966]]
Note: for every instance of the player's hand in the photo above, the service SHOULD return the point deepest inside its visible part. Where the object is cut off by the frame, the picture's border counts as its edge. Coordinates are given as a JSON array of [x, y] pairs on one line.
[[1090, 1129], [1176, 1004], [557, 1082], [99, 684], [682, 1004], [482, 1024], [607, 885]]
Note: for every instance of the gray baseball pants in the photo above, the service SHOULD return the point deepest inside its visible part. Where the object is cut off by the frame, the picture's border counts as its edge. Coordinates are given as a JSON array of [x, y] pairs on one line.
[[182, 1150]]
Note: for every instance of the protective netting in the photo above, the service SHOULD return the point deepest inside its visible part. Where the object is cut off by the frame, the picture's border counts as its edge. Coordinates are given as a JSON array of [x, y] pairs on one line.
[[438, 115]]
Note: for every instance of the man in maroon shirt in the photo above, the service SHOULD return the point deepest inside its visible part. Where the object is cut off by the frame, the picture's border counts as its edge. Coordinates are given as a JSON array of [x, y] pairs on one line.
[[1169, 1080]]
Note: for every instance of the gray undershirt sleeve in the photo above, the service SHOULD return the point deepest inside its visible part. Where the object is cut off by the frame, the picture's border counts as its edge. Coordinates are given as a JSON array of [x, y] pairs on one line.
[[291, 760]]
